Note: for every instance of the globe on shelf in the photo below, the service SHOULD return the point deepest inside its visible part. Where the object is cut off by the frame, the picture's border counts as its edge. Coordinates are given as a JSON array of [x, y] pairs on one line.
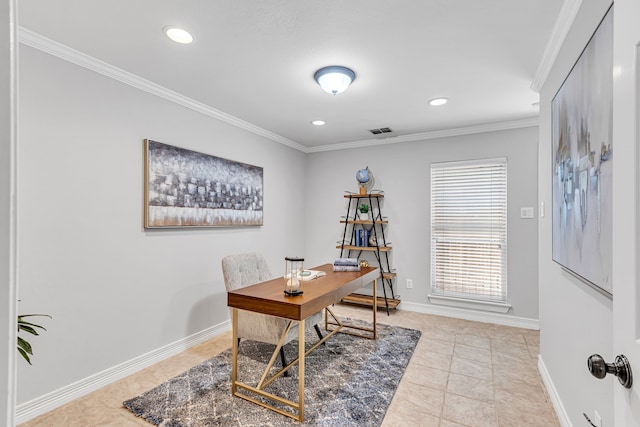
[[365, 179]]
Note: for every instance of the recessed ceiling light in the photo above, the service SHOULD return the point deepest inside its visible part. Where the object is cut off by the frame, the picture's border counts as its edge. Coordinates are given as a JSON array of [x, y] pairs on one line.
[[318, 122], [435, 102], [178, 35]]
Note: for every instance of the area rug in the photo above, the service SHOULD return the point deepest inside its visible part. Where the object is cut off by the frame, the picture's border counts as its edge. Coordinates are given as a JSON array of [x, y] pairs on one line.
[[349, 381]]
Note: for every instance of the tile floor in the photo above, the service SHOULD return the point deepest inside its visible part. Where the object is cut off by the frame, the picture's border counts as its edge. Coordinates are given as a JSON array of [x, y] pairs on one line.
[[462, 373]]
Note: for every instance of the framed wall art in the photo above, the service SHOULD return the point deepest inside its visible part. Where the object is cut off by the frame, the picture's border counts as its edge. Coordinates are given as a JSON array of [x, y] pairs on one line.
[[184, 188], [582, 115]]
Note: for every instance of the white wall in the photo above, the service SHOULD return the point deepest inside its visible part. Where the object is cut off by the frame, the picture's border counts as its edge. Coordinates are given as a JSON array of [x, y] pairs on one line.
[[575, 320], [7, 210], [403, 172], [116, 291]]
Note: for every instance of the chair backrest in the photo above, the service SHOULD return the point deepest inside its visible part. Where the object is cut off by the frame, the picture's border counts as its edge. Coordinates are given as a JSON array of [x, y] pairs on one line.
[[244, 269]]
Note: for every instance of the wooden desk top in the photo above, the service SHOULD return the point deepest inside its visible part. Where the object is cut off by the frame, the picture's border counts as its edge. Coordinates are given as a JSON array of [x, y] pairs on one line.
[[269, 298]]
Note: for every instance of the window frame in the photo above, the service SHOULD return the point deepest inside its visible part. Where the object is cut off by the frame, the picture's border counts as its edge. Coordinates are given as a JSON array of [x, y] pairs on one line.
[[484, 232]]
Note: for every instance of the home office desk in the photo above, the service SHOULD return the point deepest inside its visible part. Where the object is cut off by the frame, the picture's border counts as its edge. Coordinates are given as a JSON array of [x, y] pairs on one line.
[[269, 298]]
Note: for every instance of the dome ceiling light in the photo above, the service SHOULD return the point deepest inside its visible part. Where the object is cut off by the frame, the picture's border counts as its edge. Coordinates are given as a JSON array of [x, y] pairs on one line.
[[334, 79]]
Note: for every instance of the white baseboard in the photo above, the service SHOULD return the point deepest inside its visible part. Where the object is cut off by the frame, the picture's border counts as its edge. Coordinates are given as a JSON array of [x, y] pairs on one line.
[[475, 315], [563, 417], [40, 405]]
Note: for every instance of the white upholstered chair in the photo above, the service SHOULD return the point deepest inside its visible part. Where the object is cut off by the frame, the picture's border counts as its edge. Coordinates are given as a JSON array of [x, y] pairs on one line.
[[248, 269]]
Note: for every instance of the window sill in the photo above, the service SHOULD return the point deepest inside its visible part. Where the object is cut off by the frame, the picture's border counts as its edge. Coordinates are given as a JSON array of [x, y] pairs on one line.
[[496, 307]]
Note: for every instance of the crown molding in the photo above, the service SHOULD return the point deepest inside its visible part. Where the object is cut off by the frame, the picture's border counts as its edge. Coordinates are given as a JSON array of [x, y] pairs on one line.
[[445, 133], [566, 17], [44, 44], [59, 50]]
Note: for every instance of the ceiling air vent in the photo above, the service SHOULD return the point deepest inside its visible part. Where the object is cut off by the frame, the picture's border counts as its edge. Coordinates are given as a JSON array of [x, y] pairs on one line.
[[380, 130]]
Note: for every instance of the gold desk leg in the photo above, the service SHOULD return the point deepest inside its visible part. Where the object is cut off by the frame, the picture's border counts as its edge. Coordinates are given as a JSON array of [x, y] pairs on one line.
[[375, 304], [326, 318], [262, 384], [301, 351], [234, 351], [238, 386]]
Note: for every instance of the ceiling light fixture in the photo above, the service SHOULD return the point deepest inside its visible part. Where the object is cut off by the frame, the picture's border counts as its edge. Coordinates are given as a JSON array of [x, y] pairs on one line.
[[334, 79], [436, 102], [318, 122], [178, 35]]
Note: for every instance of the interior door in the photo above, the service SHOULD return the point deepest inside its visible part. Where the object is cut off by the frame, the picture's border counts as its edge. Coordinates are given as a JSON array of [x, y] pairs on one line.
[[626, 210]]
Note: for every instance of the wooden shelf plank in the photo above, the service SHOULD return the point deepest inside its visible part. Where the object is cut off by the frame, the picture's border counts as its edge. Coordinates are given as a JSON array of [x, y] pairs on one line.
[[367, 300], [364, 248], [363, 221], [363, 196], [389, 275]]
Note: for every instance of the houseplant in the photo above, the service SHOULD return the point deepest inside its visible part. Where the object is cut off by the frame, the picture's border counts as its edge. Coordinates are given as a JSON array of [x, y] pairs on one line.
[[24, 348], [364, 211]]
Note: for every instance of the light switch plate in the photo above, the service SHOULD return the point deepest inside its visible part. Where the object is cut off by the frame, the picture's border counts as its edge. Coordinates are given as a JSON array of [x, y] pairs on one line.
[[526, 213]]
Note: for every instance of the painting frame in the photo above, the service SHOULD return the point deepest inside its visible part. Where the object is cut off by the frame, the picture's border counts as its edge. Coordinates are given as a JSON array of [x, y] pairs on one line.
[[582, 163], [189, 189]]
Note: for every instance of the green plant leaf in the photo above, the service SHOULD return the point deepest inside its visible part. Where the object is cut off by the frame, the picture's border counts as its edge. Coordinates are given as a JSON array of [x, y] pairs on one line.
[[28, 326], [21, 316], [33, 325], [29, 329], [25, 346], [25, 355]]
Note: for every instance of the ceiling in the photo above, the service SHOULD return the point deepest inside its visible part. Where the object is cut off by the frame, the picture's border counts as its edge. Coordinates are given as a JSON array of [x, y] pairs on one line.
[[255, 59]]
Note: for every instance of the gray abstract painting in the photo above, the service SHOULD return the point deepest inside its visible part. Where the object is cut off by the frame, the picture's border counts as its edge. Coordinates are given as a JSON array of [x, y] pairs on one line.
[[185, 188], [582, 163]]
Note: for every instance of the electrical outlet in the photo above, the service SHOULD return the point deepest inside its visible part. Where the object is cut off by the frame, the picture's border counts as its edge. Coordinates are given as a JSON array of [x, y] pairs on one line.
[[409, 283]]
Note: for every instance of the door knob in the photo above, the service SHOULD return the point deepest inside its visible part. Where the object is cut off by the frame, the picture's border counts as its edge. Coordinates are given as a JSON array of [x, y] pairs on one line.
[[620, 368]]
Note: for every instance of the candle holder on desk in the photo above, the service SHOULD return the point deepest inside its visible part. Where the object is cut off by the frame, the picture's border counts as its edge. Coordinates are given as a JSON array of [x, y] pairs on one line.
[[293, 267]]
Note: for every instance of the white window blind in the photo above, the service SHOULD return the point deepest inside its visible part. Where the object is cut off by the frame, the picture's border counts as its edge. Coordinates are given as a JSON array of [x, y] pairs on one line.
[[469, 229]]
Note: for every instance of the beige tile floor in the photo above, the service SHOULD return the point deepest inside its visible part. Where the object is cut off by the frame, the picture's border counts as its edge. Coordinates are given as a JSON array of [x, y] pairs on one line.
[[462, 373]]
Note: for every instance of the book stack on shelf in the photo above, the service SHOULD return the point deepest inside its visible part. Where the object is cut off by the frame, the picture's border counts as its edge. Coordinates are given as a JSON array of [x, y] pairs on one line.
[[362, 237], [346, 264]]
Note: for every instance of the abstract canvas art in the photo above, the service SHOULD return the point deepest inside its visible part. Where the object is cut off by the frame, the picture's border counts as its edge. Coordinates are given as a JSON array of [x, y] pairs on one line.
[[582, 112], [185, 188]]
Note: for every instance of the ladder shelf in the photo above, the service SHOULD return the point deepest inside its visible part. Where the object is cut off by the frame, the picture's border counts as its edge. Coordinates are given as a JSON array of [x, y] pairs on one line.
[[363, 236]]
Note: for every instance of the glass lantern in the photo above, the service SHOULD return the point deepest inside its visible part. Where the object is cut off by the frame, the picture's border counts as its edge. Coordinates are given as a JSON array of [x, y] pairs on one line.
[[293, 268]]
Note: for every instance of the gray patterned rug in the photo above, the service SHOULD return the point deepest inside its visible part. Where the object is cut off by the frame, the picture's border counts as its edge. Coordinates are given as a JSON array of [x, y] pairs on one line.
[[349, 381]]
